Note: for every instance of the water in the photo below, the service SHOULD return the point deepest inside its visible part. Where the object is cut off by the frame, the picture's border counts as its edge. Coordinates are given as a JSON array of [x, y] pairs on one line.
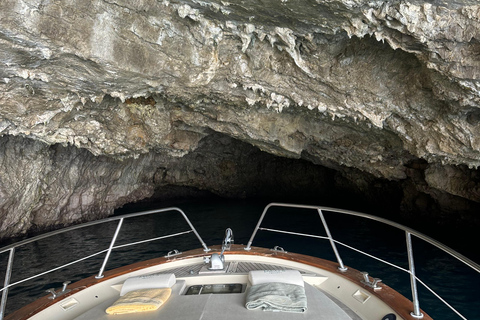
[[454, 282]]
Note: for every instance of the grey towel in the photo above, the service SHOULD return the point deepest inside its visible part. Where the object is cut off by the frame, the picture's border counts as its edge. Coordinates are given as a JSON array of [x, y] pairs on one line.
[[277, 296]]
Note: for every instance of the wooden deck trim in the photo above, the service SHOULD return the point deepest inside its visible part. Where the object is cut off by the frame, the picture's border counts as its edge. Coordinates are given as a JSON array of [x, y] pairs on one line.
[[392, 298]]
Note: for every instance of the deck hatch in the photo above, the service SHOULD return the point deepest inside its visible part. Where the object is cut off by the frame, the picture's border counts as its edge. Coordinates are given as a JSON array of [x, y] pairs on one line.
[[215, 289]]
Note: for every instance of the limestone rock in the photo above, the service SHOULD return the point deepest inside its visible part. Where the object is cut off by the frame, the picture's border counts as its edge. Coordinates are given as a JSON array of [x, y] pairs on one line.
[[43, 186], [346, 84]]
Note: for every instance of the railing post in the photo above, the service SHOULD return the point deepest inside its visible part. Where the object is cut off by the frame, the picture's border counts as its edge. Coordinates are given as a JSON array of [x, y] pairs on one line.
[[8, 275], [205, 248], [249, 244], [100, 273], [341, 267], [413, 282]]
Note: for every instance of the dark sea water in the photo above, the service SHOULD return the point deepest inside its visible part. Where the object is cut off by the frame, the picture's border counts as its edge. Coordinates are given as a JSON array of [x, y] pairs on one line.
[[454, 282]]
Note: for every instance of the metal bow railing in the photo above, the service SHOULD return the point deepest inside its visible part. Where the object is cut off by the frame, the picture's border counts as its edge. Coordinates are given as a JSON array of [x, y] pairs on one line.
[[11, 248], [416, 313]]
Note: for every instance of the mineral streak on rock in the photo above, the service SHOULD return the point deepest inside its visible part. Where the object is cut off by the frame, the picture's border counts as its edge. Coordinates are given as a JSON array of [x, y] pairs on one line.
[[346, 84]]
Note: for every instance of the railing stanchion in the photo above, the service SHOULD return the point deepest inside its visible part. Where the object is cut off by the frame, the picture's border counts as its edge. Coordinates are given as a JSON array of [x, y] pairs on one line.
[[341, 267], [100, 273], [8, 275], [416, 313], [249, 244], [205, 247]]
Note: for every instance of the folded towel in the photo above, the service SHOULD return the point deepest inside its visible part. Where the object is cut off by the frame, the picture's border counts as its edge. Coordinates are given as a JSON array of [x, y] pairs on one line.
[[140, 301], [148, 281], [284, 276], [276, 296]]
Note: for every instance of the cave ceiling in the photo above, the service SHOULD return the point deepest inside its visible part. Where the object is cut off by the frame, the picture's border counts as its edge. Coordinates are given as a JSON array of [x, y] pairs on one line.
[[372, 86]]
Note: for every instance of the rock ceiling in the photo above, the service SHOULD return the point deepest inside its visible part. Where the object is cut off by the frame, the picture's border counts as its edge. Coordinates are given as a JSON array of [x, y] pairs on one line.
[[112, 88]]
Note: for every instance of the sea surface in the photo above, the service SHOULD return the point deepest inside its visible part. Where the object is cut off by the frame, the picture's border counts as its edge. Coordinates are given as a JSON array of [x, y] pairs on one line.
[[454, 282]]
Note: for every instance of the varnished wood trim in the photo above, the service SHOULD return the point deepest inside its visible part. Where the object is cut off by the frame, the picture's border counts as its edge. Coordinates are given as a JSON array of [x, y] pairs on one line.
[[392, 298]]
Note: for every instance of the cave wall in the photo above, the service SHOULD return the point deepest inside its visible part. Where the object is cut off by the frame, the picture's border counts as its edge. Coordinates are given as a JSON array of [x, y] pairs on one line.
[[50, 186], [46, 187], [374, 90]]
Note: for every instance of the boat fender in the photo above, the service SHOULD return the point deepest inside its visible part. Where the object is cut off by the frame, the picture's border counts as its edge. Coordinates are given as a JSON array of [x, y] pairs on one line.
[[390, 316]]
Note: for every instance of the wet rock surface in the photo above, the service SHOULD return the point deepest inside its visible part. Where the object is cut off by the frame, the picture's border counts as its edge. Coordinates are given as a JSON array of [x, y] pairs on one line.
[[104, 102]]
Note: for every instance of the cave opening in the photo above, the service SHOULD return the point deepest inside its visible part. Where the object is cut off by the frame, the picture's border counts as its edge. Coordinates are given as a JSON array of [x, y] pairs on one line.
[[224, 169]]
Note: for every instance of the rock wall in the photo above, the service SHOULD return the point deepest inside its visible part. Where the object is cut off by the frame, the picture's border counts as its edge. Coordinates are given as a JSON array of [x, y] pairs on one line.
[[45, 187], [371, 87]]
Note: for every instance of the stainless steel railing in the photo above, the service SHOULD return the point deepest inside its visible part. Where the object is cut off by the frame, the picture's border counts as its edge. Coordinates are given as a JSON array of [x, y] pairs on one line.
[[11, 248], [416, 313]]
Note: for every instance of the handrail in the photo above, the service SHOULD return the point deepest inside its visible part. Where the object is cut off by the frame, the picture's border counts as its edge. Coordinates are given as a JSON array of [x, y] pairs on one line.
[[11, 248], [408, 231], [416, 313], [8, 274]]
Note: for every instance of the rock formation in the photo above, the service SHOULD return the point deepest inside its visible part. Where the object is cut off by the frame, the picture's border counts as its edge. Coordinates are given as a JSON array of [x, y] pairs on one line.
[[103, 101]]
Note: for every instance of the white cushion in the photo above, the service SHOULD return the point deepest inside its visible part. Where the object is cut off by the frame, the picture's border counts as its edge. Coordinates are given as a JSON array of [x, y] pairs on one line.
[[148, 281], [284, 276]]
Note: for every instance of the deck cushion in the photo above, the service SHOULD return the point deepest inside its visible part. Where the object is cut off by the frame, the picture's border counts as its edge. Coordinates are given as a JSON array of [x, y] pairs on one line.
[[149, 281], [284, 276]]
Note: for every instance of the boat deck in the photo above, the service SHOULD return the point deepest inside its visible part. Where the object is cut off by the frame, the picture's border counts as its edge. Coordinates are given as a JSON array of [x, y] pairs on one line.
[[325, 287], [338, 288], [223, 306], [215, 306]]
